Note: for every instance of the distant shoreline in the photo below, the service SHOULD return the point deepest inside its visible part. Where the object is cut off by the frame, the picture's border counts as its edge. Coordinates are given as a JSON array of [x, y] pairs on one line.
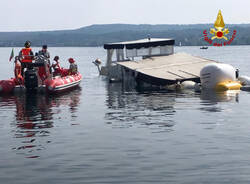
[[97, 35], [102, 46]]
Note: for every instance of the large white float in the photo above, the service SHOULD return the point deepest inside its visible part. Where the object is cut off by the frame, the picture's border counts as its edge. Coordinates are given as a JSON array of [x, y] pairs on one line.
[[220, 77]]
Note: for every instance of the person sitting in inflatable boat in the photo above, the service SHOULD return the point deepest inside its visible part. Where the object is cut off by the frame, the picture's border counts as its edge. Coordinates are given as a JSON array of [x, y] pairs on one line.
[[56, 67], [72, 67]]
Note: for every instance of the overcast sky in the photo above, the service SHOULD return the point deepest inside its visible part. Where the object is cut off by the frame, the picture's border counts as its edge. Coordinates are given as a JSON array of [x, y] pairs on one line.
[[32, 15]]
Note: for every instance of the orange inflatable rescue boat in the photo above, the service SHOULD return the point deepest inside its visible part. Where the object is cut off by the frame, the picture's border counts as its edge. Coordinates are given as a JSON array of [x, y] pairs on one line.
[[31, 82]]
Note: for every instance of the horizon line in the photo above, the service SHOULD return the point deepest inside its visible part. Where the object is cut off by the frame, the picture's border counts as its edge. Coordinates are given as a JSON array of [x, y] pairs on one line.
[[73, 29]]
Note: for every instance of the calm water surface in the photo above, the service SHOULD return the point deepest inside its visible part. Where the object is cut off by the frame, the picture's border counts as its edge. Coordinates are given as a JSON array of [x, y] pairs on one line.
[[101, 133]]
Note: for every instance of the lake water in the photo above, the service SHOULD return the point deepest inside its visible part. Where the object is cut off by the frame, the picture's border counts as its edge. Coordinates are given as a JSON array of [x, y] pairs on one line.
[[101, 133]]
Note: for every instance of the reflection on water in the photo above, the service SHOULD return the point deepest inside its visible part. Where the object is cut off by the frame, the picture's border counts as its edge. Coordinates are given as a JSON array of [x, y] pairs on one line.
[[130, 108], [34, 118], [157, 109], [224, 96], [33, 107], [211, 98]]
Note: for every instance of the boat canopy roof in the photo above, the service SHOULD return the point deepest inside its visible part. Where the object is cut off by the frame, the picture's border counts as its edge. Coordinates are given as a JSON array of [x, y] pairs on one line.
[[137, 44]]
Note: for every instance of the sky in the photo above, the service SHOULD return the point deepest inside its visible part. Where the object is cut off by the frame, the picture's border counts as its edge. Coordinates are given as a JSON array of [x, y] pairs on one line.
[[41, 15]]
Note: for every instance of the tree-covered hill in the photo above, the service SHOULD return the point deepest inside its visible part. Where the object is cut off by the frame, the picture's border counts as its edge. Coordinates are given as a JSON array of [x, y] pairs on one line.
[[97, 35]]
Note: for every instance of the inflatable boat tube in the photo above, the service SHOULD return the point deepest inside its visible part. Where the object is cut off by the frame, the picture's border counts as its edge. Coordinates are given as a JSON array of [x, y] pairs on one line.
[[7, 86], [59, 84]]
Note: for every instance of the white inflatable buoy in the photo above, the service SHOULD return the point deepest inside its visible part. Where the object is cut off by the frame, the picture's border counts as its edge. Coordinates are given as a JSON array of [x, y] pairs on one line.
[[220, 77], [188, 85], [214, 73], [245, 80]]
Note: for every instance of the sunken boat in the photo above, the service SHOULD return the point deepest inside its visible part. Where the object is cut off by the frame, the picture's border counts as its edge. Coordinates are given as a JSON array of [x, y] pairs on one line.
[[150, 62]]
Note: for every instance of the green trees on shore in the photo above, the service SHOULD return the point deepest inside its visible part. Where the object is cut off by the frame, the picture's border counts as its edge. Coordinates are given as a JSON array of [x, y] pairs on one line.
[[97, 35]]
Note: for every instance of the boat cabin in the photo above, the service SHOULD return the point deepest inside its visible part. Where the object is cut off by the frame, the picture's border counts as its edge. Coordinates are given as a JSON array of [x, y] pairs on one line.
[[134, 50]]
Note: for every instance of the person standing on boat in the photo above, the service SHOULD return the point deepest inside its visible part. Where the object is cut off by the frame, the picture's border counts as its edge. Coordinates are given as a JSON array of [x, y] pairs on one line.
[[44, 52], [72, 67], [26, 55], [17, 71], [44, 71]]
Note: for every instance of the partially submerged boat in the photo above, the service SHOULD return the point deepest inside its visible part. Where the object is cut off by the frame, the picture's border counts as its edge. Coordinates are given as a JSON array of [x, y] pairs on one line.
[[152, 64], [53, 84]]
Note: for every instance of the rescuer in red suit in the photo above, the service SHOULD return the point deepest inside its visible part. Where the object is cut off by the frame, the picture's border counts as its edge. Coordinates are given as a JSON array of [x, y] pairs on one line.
[[26, 55]]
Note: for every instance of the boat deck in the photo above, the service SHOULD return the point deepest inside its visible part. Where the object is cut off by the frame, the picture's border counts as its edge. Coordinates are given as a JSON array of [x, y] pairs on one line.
[[164, 70]]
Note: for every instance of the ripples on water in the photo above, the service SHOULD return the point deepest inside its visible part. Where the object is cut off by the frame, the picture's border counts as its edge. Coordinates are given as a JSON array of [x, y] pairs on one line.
[[140, 109], [104, 133], [34, 116]]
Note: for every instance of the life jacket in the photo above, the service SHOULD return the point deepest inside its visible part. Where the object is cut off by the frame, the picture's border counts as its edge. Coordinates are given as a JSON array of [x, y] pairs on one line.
[[26, 55]]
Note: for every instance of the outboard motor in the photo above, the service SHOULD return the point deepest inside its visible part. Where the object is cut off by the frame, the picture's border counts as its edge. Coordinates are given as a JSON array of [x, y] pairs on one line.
[[31, 79]]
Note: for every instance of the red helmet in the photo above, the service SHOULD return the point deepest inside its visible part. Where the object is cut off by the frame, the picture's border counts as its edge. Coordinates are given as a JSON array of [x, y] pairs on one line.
[[71, 60]]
